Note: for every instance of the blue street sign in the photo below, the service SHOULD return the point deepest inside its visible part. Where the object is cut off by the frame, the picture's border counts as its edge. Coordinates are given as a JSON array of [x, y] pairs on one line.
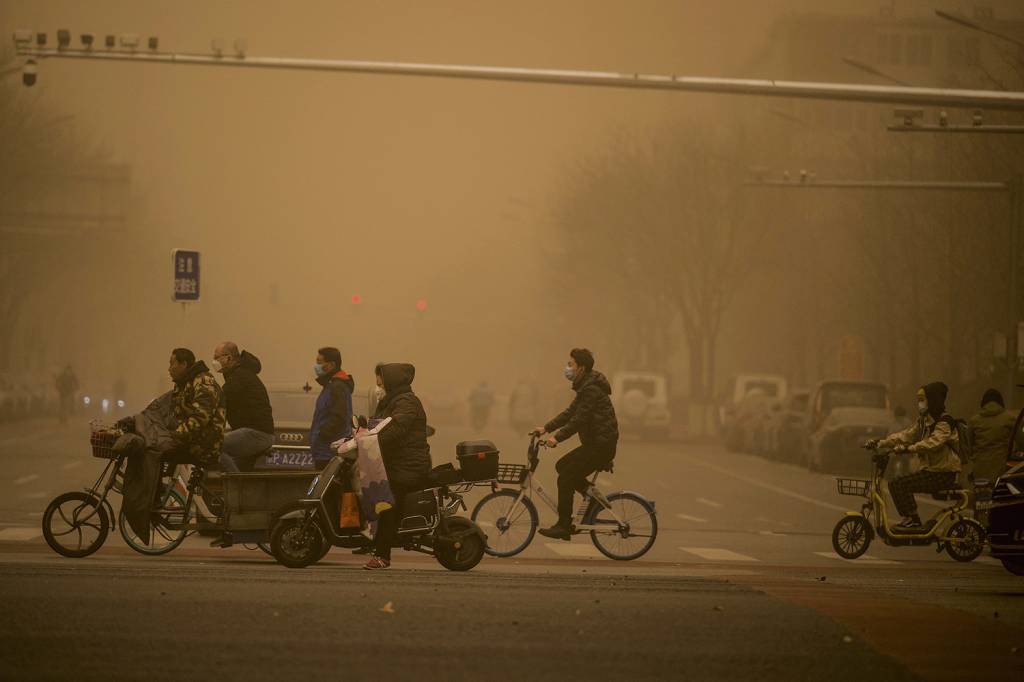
[[186, 275]]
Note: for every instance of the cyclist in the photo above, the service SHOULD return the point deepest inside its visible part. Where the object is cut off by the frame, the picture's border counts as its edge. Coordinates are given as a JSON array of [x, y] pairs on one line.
[[592, 416], [934, 439]]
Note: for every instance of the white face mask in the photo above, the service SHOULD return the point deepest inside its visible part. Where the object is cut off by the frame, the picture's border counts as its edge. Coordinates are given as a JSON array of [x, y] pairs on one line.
[[379, 393], [217, 367], [922, 406]]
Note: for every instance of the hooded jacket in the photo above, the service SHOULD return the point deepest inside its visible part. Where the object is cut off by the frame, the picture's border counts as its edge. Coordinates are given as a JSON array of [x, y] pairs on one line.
[[991, 430], [403, 442], [332, 416], [932, 438], [199, 413], [248, 405], [590, 414]]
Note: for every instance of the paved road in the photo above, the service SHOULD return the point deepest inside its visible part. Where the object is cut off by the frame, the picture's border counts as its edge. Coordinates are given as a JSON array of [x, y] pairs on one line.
[[742, 584]]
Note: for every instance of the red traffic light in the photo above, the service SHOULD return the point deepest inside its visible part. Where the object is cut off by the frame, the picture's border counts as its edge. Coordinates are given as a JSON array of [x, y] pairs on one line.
[[421, 304], [356, 299]]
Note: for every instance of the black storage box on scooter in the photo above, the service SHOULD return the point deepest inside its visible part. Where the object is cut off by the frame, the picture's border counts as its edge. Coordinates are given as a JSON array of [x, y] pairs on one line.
[[478, 460]]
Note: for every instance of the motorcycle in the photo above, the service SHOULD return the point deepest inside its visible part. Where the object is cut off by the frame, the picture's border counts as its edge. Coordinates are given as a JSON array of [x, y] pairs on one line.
[[429, 525]]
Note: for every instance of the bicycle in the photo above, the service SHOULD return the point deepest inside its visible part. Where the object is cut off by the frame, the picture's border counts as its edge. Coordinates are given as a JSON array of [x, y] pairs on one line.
[[172, 517], [963, 538], [615, 522]]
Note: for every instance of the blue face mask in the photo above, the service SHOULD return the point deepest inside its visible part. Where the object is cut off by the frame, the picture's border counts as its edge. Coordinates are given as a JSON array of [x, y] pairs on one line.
[[569, 373], [319, 369]]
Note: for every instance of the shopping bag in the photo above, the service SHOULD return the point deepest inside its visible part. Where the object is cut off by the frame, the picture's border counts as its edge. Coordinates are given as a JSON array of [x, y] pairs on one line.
[[375, 491], [350, 511]]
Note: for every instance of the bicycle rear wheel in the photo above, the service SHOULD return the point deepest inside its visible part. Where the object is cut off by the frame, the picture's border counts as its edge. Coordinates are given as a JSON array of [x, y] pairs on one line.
[[509, 531], [163, 536], [75, 524], [631, 538]]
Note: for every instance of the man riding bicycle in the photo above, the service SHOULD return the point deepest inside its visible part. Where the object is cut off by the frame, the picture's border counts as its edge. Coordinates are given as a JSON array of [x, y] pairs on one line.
[[592, 416], [934, 439]]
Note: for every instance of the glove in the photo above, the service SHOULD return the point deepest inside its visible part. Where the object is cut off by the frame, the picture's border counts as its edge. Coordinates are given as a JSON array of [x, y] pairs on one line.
[[126, 424], [900, 448], [871, 444]]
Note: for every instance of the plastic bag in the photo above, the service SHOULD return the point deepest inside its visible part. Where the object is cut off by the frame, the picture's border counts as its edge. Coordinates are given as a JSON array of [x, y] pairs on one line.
[[350, 511]]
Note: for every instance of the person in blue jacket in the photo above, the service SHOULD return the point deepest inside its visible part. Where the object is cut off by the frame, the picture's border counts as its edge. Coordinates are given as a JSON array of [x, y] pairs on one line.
[[332, 418]]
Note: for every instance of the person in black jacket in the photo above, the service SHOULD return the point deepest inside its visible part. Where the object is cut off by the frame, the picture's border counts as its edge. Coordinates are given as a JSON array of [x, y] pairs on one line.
[[592, 416], [404, 448], [248, 408]]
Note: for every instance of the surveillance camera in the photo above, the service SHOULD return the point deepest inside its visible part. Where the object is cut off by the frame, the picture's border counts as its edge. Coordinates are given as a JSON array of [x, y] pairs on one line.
[[63, 38], [41, 39], [87, 39], [23, 37], [241, 47], [129, 40], [110, 41], [153, 43], [28, 75]]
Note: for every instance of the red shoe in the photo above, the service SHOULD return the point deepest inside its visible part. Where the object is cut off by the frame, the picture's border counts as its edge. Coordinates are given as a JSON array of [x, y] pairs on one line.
[[376, 563]]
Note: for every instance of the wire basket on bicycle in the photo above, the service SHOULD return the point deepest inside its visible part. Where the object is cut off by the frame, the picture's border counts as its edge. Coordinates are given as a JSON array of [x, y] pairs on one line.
[[511, 473], [102, 437], [853, 486]]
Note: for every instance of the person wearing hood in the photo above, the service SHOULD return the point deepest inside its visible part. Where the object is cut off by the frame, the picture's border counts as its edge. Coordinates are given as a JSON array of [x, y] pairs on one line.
[[248, 408], [199, 408], [933, 438], [332, 416], [403, 447], [592, 416], [991, 431]]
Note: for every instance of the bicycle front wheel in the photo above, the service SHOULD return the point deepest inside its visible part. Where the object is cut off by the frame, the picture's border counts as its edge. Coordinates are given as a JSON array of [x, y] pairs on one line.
[[75, 524], [632, 527], [166, 529], [509, 526]]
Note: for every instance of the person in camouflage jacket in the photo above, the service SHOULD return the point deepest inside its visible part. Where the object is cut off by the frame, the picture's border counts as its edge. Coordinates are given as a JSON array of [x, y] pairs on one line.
[[199, 407]]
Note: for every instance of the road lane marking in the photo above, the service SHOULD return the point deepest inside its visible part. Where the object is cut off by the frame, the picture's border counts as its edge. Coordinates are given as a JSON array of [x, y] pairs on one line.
[[72, 465], [773, 522], [20, 534], [864, 559], [762, 484], [716, 554], [708, 503], [573, 550], [35, 496], [26, 479], [695, 519]]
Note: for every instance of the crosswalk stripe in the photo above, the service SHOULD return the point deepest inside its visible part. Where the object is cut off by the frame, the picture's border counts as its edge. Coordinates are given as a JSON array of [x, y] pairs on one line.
[[73, 464], [573, 549], [709, 503], [695, 519], [21, 534], [26, 479], [716, 554], [864, 559]]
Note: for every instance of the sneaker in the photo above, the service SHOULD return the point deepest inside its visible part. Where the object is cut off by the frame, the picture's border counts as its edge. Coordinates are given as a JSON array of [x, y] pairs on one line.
[[558, 532], [908, 524], [376, 563], [220, 542]]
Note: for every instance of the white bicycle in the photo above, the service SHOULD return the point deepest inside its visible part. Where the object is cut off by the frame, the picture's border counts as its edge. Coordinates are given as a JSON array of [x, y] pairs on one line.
[[622, 525]]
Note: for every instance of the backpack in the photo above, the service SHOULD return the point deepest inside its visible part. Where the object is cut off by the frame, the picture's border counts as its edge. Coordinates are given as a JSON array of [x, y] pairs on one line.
[[963, 445]]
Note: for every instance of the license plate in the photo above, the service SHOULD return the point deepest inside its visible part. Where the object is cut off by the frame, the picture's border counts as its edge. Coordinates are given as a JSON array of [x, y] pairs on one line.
[[291, 459]]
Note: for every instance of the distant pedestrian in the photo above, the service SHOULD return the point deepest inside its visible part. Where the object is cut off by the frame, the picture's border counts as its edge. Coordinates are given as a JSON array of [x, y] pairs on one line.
[[67, 387], [991, 431]]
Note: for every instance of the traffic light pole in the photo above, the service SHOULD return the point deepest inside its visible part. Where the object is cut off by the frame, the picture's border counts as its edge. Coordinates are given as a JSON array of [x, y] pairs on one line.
[[1014, 188]]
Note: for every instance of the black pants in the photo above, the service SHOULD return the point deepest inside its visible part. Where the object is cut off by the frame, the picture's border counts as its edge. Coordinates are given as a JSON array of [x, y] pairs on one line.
[[573, 470], [904, 487], [387, 522]]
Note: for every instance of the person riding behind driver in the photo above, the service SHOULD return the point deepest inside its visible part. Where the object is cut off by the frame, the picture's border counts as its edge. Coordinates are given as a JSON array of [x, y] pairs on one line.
[[933, 438]]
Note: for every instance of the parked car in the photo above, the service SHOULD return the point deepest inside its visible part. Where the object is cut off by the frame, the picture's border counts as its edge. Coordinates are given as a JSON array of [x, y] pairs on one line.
[[641, 404], [845, 414], [770, 385], [748, 421], [787, 428], [1006, 520]]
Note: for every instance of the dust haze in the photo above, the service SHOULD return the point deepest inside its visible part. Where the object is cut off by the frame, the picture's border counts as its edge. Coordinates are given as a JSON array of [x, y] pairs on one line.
[[486, 228]]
